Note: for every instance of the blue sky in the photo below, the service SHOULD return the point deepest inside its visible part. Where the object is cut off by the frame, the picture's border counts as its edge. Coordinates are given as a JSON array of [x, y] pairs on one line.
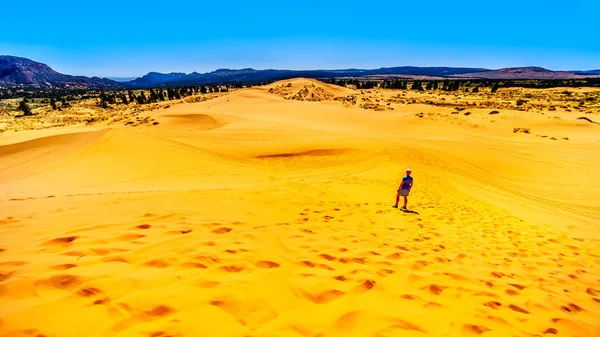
[[130, 38]]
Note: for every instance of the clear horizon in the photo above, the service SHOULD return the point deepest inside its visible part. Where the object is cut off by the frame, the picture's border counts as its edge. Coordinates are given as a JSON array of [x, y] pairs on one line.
[[116, 40]]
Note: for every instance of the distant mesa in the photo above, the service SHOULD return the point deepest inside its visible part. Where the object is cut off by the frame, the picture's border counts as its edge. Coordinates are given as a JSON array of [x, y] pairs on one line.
[[587, 72], [527, 73]]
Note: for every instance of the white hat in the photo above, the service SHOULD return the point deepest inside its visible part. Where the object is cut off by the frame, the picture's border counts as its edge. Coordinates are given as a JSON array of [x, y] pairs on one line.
[[408, 170]]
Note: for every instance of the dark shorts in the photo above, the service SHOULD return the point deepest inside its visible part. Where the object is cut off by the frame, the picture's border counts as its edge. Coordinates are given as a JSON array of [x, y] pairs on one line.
[[403, 192]]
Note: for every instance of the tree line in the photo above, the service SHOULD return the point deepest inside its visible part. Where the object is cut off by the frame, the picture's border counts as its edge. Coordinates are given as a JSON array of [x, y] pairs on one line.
[[473, 85]]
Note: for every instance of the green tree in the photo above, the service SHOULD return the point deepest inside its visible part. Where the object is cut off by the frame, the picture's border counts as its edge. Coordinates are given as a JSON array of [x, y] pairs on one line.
[[153, 96], [417, 86], [53, 103], [23, 106], [495, 87], [141, 99]]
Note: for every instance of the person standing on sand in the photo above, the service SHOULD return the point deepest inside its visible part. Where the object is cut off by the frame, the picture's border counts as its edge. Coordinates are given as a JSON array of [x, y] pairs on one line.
[[404, 189]]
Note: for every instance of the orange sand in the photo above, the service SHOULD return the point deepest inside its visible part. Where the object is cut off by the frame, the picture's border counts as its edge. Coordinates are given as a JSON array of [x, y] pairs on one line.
[[258, 214]]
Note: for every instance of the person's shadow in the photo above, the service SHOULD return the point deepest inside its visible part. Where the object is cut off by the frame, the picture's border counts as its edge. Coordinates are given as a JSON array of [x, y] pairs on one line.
[[409, 211]]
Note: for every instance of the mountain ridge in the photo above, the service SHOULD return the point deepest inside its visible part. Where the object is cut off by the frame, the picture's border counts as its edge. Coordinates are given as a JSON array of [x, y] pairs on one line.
[[18, 71]]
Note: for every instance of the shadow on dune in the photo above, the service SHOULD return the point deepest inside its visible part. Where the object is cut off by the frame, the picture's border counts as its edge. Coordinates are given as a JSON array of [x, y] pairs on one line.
[[308, 153]]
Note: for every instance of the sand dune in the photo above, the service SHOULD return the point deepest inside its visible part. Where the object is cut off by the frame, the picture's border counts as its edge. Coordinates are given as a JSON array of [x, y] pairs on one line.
[[255, 215]]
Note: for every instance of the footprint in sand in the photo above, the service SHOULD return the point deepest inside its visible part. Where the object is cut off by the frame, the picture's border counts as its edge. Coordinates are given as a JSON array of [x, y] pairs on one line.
[[159, 311], [207, 259], [550, 331], [323, 297], [194, 265], [13, 264], [385, 272], [308, 264], [518, 286], [179, 232], [324, 266], [435, 289], [222, 230], [571, 308], [63, 266], [115, 259], [63, 282], [341, 278], [144, 226], [65, 241], [410, 297], [267, 264], [106, 251], [592, 291], [475, 329], [405, 325], [497, 275], [353, 260], [486, 294], [365, 285], [328, 257], [394, 256], [430, 305], [518, 309], [89, 292], [101, 301], [130, 237], [233, 268], [159, 263]]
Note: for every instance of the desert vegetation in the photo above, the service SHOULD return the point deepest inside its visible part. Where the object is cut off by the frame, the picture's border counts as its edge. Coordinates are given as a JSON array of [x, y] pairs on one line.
[[38, 108]]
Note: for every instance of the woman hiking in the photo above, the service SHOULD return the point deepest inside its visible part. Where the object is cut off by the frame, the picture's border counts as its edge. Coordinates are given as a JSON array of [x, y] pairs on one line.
[[404, 189]]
